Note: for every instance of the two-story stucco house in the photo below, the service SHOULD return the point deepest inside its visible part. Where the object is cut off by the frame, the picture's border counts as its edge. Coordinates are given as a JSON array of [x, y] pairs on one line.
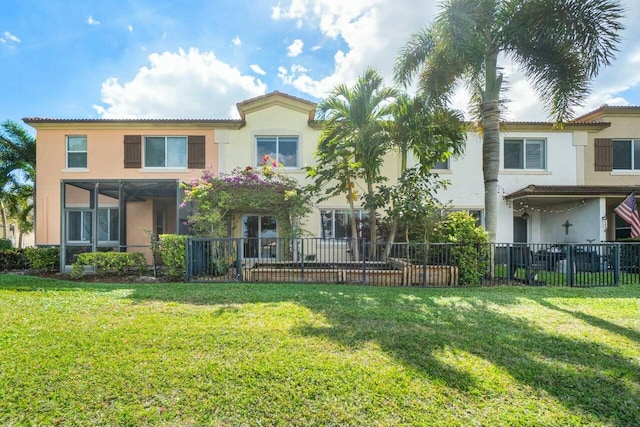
[[588, 168], [110, 183]]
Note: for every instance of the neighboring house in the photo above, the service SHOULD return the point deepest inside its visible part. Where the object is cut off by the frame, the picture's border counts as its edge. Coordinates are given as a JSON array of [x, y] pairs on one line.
[[606, 160], [108, 183], [118, 180]]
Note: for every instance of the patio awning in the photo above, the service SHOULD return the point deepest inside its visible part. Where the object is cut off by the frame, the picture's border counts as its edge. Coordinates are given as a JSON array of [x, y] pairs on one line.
[[557, 198], [572, 191], [132, 190]]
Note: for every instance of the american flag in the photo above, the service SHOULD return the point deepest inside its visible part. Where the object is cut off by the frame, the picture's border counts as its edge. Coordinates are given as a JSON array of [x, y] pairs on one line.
[[629, 212]]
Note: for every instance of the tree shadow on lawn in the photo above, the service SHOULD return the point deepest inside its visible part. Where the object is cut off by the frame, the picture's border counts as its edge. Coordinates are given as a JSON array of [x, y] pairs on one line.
[[414, 326]]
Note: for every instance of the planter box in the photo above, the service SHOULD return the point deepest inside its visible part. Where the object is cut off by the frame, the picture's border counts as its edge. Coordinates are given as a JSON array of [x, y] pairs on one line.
[[294, 275], [374, 277], [436, 275]]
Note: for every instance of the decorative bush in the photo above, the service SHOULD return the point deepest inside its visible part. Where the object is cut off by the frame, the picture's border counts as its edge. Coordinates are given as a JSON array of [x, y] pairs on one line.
[[12, 259], [470, 252], [109, 262], [5, 244], [263, 189], [173, 252], [45, 259]]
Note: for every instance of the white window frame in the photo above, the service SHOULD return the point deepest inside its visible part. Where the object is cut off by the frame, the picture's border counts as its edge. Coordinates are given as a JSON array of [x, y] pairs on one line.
[[443, 165], [83, 238], [633, 143], [85, 151], [110, 225], [166, 157], [524, 142], [359, 215], [258, 159]]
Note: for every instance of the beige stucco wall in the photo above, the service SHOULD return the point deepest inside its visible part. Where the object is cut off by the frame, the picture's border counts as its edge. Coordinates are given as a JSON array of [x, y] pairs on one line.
[[105, 160], [623, 126], [279, 120]]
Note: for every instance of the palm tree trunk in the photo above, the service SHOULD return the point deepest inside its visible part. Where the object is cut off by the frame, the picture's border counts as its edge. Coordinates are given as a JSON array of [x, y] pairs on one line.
[[354, 224], [4, 221], [392, 237], [491, 149], [372, 226], [491, 143]]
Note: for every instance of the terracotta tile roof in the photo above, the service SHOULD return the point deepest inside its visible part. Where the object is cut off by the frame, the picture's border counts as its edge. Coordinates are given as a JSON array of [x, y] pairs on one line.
[[573, 190], [607, 109], [203, 121], [270, 94]]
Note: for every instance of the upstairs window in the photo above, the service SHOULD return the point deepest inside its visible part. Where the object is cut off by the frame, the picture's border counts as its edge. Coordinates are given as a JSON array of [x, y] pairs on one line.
[[626, 154], [281, 148], [441, 165], [525, 153], [165, 152], [76, 151]]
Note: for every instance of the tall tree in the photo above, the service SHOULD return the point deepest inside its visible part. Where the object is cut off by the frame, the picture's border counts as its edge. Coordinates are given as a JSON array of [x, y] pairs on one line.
[[353, 120], [559, 44], [17, 172], [432, 133]]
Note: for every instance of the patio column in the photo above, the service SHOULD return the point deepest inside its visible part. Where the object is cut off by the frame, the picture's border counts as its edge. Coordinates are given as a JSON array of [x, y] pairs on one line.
[[122, 218]]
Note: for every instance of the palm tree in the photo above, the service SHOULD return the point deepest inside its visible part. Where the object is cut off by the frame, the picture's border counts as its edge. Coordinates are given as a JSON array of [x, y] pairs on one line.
[[432, 133], [559, 44], [353, 120], [17, 172]]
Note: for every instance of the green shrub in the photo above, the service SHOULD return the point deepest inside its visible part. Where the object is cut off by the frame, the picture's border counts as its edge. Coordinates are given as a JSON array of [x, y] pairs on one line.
[[173, 252], [12, 259], [45, 259], [5, 244], [469, 251], [109, 263]]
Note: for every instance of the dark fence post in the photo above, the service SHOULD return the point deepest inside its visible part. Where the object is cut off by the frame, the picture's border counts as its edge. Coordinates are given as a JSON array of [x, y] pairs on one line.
[[364, 266], [187, 260], [238, 259], [570, 262], [301, 258], [617, 249], [425, 259]]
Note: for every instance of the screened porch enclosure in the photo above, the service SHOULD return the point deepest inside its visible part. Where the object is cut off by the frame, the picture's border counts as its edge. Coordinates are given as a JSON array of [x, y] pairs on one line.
[[117, 215]]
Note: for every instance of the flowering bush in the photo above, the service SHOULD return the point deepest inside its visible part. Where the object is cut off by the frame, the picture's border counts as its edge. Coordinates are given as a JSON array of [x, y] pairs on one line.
[[258, 190]]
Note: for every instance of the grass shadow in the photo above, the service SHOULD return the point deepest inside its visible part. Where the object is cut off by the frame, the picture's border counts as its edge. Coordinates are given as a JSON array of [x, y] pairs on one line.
[[414, 326]]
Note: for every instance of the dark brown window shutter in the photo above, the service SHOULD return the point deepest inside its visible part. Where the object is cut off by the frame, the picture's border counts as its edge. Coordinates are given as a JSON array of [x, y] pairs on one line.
[[603, 154], [133, 151], [196, 152]]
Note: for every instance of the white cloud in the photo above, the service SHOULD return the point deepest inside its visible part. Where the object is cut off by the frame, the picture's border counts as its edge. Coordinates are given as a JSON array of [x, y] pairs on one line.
[[179, 85], [236, 41], [257, 69], [374, 31], [316, 47], [296, 10], [130, 28], [295, 48], [8, 37], [92, 21]]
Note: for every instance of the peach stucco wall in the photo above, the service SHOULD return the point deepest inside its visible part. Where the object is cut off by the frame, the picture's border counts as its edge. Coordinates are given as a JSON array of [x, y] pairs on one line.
[[105, 160]]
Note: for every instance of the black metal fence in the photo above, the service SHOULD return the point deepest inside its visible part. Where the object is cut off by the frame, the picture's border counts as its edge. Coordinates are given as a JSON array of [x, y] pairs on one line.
[[315, 260]]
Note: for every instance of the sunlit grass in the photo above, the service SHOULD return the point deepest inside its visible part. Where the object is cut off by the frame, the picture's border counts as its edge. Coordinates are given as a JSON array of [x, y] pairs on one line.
[[238, 354]]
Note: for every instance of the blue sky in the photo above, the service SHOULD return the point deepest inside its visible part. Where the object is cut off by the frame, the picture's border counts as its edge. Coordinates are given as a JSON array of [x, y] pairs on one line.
[[181, 59]]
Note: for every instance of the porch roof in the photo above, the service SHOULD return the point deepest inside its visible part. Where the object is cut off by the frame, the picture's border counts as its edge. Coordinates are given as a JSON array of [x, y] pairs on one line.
[[132, 190], [535, 191]]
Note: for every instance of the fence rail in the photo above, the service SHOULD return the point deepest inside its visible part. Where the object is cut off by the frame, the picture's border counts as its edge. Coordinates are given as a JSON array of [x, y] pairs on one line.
[[315, 260]]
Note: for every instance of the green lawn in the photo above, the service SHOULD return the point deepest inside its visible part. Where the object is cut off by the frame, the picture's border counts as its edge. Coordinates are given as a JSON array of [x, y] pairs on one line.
[[74, 353]]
